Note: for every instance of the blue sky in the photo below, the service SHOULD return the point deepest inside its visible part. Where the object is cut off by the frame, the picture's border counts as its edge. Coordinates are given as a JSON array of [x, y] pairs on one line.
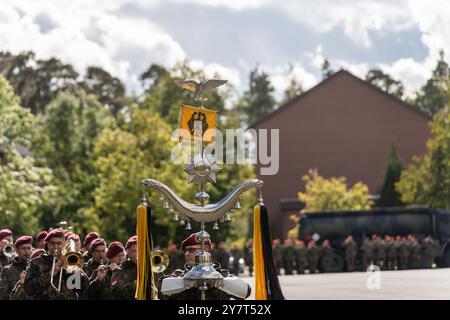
[[288, 38]]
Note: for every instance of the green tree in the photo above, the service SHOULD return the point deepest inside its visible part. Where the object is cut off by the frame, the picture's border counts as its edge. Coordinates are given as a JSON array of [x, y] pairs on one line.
[[293, 90], [389, 196], [332, 194], [385, 82], [37, 82], [257, 102], [426, 181], [434, 95], [69, 130], [109, 90], [24, 186]]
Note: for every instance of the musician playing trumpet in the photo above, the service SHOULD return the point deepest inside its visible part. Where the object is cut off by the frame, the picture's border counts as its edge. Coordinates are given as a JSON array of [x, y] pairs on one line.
[[49, 277], [11, 273], [100, 286]]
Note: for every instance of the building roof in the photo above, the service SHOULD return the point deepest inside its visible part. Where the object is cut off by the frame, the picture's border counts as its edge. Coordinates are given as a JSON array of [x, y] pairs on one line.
[[339, 73]]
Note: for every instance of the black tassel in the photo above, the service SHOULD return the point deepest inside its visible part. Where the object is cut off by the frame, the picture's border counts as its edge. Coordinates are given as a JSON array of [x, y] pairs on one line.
[[274, 291]]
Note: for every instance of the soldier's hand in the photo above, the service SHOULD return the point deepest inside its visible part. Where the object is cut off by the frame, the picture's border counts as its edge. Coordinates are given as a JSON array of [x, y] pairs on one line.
[[3, 243], [58, 266], [101, 272], [113, 266], [22, 277]]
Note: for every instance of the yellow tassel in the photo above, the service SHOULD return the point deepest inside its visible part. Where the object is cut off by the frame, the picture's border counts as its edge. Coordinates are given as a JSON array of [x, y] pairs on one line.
[[143, 249], [258, 257]]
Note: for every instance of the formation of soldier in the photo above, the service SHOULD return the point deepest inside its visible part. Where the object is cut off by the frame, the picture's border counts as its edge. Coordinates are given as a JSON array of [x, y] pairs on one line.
[[388, 253]]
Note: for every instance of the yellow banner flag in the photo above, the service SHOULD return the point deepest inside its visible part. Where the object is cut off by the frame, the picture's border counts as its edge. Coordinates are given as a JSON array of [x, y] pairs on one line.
[[189, 115]]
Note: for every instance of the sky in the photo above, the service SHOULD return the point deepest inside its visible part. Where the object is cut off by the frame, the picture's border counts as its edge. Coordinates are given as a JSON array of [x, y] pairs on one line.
[[288, 38]]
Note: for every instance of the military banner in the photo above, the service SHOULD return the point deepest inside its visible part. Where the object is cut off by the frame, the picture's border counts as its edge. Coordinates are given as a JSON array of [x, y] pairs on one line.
[[189, 115]]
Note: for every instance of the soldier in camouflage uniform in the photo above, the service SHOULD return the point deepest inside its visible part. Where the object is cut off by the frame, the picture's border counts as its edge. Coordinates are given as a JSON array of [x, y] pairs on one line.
[[11, 273], [301, 256], [327, 256], [123, 280], [17, 292], [98, 253], [416, 253], [277, 255], [288, 256], [191, 247], [391, 253], [5, 238], [91, 236], [379, 251], [351, 248], [313, 256], [403, 253], [100, 281], [429, 251], [367, 249], [37, 280]]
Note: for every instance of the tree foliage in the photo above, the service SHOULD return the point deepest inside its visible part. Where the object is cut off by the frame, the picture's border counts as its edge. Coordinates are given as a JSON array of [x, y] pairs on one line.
[[332, 194], [389, 196], [426, 181], [24, 186], [385, 82]]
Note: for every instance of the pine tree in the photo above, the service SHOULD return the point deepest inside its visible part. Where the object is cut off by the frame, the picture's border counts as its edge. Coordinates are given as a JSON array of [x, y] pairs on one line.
[[389, 197]]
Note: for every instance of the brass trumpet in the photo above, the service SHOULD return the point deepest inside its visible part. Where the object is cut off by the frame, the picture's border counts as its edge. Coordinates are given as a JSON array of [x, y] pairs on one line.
[[159, 260], [72, 261], [8, 251]]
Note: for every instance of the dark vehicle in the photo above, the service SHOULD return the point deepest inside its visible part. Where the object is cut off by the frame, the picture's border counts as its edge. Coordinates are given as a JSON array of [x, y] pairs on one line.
[[396, 221]]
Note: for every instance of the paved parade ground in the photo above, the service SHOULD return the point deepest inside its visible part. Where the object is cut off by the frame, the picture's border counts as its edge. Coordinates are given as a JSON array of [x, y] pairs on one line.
[[394, 285]]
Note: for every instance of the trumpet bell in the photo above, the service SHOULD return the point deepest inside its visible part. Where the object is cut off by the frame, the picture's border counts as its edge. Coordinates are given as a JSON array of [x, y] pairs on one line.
[[9, 251], [159, 261]]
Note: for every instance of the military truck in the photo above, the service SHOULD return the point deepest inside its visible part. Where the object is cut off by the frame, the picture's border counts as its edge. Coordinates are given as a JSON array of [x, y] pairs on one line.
[[396, 221]]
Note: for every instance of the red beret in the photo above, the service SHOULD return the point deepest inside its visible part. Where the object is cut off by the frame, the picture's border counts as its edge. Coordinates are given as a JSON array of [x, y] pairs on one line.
[[192, 241], [74, 237], [96, 243], [23, 240], [114, 249], [5, 233], [67, 234], [89, 237], [37, 253], [131, 241], [41, 235], [58, 233]]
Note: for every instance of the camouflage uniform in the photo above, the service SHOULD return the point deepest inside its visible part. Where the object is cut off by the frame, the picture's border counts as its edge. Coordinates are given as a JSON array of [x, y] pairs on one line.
[[288, 258], [99, 290], [391, 253], [367, 249], [194, 293], [91, 266], [301, 256], [313, 257], [278, 257], [10, 276], [403, 254], [123, 281], [37, 281], [350, 252], [416, 255], [18, 293], [327, 258], [380, 253], [429, 251]]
